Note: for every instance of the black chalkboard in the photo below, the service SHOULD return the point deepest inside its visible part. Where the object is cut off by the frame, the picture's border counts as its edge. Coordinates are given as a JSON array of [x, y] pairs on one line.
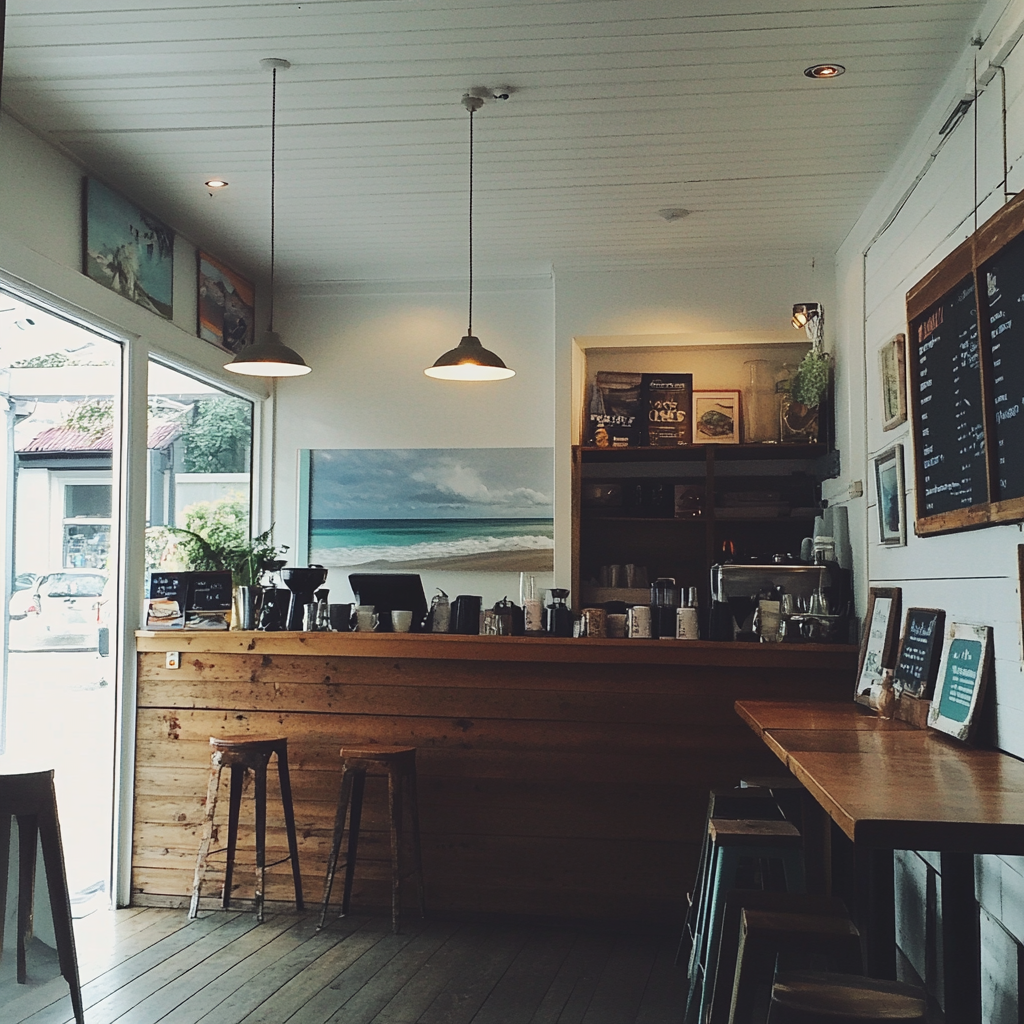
[[209, 591], [1002, 313], [950, 421], [917, 664]]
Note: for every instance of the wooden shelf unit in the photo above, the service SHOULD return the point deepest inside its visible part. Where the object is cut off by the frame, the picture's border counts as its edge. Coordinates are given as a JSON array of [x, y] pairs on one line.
[[686, 548]]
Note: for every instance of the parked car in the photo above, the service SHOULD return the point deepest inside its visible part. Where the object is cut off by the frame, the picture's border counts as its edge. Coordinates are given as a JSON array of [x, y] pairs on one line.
[[58, 613]]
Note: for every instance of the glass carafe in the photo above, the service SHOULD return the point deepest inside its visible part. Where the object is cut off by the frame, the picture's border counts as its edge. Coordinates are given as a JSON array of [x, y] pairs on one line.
[[759, 422]]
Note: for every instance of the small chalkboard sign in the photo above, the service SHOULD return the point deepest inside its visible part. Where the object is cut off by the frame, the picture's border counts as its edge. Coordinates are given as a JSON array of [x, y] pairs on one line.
[[166, 596], [917, 664], [209, 601], [960, 688]]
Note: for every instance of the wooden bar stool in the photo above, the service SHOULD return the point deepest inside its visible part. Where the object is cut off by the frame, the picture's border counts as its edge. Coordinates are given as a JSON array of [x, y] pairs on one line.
[[399, 765], [812, 998], [742, 802], [31, 798], [241, 754], [775, 847], [768, 936], [740, 900]]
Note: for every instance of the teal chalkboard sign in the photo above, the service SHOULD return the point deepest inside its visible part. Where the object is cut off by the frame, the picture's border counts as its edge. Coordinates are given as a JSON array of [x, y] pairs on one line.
[[960, 689]]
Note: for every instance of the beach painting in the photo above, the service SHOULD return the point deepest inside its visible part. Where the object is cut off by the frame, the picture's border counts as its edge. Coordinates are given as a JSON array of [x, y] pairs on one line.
[[127, 250], [455, 510]]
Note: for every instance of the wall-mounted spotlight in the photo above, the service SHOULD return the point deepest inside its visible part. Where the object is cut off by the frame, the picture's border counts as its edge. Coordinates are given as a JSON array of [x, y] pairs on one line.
[[804, 312]]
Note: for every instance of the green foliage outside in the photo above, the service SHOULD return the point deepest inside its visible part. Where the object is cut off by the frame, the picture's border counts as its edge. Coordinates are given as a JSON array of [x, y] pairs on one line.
[[216, 432], [216, 539]]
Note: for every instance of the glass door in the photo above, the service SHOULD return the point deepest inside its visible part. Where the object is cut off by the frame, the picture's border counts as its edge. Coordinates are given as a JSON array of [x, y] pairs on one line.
[[60, 388]]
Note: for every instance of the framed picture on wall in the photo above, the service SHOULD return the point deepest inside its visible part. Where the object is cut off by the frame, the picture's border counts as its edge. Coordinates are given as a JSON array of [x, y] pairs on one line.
[[891, 494], [878, 645], [126, 249], [716, 417], [893, 365], [963, 674], [226, 306]]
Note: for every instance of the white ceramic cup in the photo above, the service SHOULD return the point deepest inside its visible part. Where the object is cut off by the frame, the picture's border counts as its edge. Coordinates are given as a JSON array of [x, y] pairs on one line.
[[367, 619], [687, 626], [401, 621], [638, 621]]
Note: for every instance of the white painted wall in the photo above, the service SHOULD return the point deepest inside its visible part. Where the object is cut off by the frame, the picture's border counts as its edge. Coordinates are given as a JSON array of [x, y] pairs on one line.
[[972, 575], [368, 344]]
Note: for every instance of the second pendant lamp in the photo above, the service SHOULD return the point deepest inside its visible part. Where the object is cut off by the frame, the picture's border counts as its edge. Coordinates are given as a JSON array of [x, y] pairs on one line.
[[270, 357], [469, 360]]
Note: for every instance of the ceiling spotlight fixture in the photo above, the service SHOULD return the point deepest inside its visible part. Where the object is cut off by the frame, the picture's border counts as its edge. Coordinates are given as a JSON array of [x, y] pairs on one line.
[[674, 213], [469, 360], [269, 357], [810, 317], [216, 183], [824, 71]]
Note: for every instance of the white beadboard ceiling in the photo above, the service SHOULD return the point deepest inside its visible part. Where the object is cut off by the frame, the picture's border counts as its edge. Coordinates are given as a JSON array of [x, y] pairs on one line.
[[622, 107]]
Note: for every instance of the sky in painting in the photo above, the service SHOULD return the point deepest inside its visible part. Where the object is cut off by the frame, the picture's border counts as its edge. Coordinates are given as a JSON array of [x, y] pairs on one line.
[[432, 483]]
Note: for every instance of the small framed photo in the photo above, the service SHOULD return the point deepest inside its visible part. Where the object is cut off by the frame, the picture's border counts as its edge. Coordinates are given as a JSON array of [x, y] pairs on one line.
[[963, 674], [226, 306], [716, 417], [126, 249], [878, 646], [890, 491], [893, 364]]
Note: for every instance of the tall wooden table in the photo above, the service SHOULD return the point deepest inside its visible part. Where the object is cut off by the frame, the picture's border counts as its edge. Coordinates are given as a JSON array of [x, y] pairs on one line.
[[890, 787]]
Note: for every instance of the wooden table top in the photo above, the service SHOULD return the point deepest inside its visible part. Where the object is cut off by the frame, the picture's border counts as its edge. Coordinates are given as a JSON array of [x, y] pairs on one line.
[[887, 785]]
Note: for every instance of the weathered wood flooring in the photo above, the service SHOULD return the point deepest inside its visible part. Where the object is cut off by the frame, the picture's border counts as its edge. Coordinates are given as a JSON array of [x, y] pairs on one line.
[[141, 966]]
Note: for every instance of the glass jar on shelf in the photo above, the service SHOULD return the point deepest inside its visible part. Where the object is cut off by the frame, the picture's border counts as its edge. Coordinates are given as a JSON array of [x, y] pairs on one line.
[[759, 423]]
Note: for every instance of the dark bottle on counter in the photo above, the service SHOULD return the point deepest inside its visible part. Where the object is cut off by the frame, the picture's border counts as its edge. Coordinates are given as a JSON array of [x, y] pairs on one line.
[[664, 602], [557, 615]]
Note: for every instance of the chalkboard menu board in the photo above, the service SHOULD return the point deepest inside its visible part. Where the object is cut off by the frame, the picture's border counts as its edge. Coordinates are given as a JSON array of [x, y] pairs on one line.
[[920, 646], [1002, 310], [952, 472]]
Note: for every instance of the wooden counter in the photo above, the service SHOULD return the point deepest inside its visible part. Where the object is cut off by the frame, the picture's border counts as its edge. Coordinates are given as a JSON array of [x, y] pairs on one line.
[[558, 777]]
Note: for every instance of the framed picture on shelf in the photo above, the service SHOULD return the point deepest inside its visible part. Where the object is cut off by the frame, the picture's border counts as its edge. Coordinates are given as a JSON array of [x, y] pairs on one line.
[[893, 364], [878, 645], [226, 305], [960, 687], [891, 494], [716, 417], [126, 249]]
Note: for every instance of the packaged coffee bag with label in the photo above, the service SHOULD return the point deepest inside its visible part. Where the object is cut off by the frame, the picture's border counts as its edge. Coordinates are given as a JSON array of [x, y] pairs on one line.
[[614, 418], [668, 409]]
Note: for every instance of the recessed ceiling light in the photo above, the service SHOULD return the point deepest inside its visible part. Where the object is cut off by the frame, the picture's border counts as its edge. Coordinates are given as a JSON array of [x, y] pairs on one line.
[[824, 71], [216, 183], [674, 213]]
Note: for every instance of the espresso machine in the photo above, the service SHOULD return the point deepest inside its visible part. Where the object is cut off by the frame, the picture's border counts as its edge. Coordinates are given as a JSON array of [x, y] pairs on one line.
[[303, 582]]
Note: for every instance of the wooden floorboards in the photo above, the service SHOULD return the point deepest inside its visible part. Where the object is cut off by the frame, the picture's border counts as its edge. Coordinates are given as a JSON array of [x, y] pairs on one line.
[[143, 966]]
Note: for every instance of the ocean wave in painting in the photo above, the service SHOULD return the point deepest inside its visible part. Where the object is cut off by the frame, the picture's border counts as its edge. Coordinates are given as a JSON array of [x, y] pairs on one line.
[[482, 544]]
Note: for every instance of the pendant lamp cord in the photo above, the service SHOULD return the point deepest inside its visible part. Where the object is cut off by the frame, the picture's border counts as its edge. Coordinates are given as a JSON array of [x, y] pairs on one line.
[[470, 331], [273, 186]]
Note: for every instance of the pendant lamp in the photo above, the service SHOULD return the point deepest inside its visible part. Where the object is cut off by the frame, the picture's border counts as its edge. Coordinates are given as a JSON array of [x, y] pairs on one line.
[[270, 357], [469, 360]]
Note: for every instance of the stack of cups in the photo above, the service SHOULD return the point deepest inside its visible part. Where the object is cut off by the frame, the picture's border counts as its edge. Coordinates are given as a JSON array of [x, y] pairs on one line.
[[687, 623]]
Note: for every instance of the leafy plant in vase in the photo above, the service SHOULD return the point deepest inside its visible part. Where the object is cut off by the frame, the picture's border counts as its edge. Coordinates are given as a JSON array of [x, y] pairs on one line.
[[802, 398]]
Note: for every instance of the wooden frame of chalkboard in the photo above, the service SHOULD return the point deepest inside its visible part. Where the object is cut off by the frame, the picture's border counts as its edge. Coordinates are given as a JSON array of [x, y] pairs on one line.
[[917, 663], [961, 317], [963, 677]]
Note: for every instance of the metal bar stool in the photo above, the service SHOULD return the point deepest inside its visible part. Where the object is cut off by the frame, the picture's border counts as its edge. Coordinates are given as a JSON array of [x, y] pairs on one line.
[[399, 765], [31, 798], [241, 754]]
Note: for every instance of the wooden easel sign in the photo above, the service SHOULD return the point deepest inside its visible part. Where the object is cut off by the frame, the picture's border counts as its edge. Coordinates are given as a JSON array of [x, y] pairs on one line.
[[963, 673], [917, 663]]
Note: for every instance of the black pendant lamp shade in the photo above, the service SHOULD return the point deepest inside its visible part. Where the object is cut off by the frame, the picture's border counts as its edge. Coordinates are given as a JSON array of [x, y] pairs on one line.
[[270, 357], [469, 360]]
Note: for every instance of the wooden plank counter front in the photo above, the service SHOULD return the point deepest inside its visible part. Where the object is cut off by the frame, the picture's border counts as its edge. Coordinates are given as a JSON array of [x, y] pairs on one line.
[[564, 778]]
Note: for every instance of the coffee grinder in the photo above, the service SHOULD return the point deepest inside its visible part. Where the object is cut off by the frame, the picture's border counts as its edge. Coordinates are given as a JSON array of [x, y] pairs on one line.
[[303, 582]]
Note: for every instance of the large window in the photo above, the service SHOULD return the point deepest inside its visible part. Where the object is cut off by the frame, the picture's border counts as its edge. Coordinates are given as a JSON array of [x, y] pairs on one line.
[[200, 465]]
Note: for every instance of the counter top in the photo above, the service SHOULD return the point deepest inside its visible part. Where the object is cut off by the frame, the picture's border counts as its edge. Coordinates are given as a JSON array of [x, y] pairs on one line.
[[452, 647]]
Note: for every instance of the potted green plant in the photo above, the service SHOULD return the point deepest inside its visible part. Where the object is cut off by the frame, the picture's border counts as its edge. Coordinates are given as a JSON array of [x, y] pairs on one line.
[[802, 398]]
